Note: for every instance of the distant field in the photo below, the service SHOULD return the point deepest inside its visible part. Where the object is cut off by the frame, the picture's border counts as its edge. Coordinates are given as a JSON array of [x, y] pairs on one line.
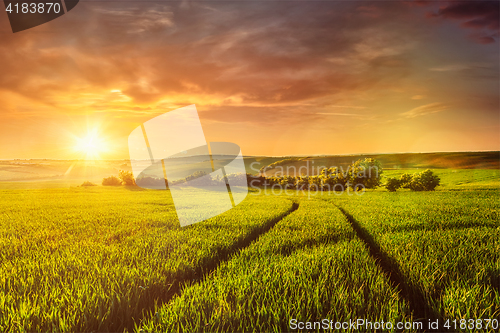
[[115, 258], [458, 178], [72, 173], [313, 164]]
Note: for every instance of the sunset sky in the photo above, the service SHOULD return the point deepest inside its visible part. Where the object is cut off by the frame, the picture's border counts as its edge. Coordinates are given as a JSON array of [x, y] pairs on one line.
[[274, 77]]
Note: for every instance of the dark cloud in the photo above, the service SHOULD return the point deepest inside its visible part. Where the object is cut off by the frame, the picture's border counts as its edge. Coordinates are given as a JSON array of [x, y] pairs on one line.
[[260, 52], [478, 15], [250, 58]]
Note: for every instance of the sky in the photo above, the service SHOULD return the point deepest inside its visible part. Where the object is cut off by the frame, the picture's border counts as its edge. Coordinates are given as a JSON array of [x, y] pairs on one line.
[[275, 77]]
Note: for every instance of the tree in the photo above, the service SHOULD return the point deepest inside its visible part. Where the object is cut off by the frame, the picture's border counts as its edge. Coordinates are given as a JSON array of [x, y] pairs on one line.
[[367, 172], [111, 181], [332, 177], [288, 182], [392, 184], [274, 180], [302, 182], [424, 181], [126, 177], [150, 182], [315, 183], [255, 180], [405, 180]]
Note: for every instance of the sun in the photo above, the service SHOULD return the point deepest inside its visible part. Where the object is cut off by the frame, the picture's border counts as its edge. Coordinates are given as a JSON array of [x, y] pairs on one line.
[[91, 145]]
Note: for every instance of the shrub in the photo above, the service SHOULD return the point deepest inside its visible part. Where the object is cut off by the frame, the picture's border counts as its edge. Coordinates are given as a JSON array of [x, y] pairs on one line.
[[151, 182], [392, 184], [315, 182], [332, 177], [274, 180], [405, 180], [361, 174], [424, 181], [126, 177], [288, 182], [302, 182], [111, 181], [87, 183], [253, 180], [367, 172]]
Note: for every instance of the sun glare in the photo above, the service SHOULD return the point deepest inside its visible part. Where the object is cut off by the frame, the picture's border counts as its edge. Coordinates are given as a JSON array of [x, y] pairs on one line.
[[91, 145]]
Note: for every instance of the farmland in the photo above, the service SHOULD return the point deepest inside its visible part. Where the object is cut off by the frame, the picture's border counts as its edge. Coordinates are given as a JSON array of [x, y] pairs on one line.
[[92, 260], [115, 259]]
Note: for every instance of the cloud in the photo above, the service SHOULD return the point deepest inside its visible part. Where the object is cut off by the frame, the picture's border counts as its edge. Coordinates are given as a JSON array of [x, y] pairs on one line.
[[347, 106], [481, 39], [340, 114], [254, 62], [483, 16], [425, 110], [156, 18], [256, 53], [450, 68], [418, 97], [279, 117]]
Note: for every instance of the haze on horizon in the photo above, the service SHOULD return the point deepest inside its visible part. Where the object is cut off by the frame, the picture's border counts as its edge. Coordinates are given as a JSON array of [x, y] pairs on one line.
[[277, 78]]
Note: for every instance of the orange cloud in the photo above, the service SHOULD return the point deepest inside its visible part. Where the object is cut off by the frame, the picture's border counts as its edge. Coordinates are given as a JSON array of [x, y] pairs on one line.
[[253, 66], [425, 110]]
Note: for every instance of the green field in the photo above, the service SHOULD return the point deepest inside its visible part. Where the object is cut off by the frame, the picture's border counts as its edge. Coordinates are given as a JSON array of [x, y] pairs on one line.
[[115, 259]]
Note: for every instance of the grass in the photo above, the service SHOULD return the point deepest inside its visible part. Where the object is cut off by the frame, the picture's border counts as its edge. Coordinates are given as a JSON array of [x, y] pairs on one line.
[[458, 179], [445, 244], [94, 259], [310, 266], [114, 258]]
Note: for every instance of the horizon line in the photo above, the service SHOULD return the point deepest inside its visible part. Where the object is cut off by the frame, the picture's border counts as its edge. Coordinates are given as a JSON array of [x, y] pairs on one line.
[[269, 156]]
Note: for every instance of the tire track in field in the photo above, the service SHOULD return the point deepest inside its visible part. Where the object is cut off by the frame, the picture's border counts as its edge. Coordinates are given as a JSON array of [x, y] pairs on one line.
[[407, 291], [243, 243], [162, 294]]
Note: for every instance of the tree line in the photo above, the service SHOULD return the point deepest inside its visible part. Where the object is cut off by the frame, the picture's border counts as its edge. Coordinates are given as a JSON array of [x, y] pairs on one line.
[[362, 174], [421, 181]]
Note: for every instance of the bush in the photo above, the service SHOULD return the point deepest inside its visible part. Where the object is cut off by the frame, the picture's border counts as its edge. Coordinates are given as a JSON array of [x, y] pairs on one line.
[[405, 180], [111, 181], [315, 183], [258, 180], [424, 181], [126, 177], [366, 172], [392, 184], [333, 176], [288, 182], [302, 182], [151, 182], [87, 183]]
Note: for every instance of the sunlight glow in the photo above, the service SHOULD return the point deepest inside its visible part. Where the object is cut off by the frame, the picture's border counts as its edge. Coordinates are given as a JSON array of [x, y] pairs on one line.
[[91, 145]]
